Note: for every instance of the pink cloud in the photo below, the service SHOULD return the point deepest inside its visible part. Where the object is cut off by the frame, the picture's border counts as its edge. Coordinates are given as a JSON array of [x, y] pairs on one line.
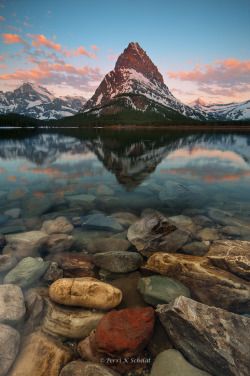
[[82, 51], [12, 38], [41, 40], [224, 71], [80, 78], [25, 75], [79, 51], [94, 47], [2, 19]]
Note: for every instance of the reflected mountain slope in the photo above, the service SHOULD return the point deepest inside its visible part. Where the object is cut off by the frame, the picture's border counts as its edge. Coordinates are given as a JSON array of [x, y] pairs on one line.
[[132, 158]]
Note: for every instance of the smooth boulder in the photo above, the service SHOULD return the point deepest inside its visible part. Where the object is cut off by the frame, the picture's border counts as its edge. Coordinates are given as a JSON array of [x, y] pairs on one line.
[[110, 244], [100, 221], [79, 368], [7, 262], [75, 323], [60, 225], [12, 307], [41, 355], [25, 244], [158, 290], [212, 339], [57, 243], [27, 271], [126, 332], [74, 264], [85, 292], [172, 363], [9, 346], [118, 261]]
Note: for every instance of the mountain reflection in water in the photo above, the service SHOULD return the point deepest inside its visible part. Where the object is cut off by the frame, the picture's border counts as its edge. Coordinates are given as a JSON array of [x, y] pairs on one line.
[[163, 167]]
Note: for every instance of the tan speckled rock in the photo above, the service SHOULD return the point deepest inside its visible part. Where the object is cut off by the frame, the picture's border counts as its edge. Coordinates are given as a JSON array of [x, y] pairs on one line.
[[231, 255], [207, 283], [85, 292], [41, 355]]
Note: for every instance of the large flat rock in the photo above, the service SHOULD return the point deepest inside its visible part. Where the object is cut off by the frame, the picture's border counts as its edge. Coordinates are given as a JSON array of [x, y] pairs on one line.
[[212, 339]]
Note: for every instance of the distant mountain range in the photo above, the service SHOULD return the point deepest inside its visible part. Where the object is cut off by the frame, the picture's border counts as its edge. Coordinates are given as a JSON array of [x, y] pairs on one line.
[[134, 92], [37, 102], [229, 111]]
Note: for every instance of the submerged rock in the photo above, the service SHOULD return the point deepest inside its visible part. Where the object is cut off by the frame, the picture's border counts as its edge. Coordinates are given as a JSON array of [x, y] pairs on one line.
[[32, 207], [125, 219], [172, 363], [2, 241], [13, 213], [85, 292], [155, 233], [196, 248], [27, 271], [109, 244], [159, 340], [100, 222], [41, 355], [57, 243], [79, 368], [208, 233], [126, 332], [7, 262], [60, 225], [9, 345], [12, 307], [73, 323], [128, 286], [25, 244], [207, 283], [118, 262], [184, 222], [81, 200], [227, 219], [35, 310], [231, 255], [212, 339], [53, 272], [157, 289], [74, 264]]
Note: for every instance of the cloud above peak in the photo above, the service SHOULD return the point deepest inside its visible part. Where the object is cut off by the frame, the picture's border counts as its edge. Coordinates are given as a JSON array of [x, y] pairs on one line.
[[226, 72], [41, 40], [12, 38]]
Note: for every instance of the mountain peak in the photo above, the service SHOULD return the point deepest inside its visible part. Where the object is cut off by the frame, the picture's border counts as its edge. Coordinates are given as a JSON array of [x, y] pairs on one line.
[[34, 89], [134, 57]]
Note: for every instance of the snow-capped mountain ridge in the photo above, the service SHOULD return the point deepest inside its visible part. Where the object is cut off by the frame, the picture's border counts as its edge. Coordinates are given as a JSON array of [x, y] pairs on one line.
[[227, 111], [36, 101], [135, 74]]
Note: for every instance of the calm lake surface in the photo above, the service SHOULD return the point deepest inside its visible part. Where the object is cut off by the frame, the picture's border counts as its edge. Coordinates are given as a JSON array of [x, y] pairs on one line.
[[172, 171], [70, 204]]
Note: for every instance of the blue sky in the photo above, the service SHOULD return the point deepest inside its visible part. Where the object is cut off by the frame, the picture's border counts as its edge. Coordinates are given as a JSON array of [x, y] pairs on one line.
[[200, 47]]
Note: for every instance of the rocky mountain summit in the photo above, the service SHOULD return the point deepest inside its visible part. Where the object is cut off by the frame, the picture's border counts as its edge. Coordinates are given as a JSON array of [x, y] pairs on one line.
[[36, 101], [136, 84], [134, 92]]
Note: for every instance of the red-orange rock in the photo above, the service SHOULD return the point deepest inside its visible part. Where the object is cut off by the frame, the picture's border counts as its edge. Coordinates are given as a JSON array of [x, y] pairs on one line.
[[126, 332]]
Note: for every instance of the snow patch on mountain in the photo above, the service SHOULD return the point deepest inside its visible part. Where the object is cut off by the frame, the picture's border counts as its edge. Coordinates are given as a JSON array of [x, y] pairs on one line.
[[228, 111], [36, 101]]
